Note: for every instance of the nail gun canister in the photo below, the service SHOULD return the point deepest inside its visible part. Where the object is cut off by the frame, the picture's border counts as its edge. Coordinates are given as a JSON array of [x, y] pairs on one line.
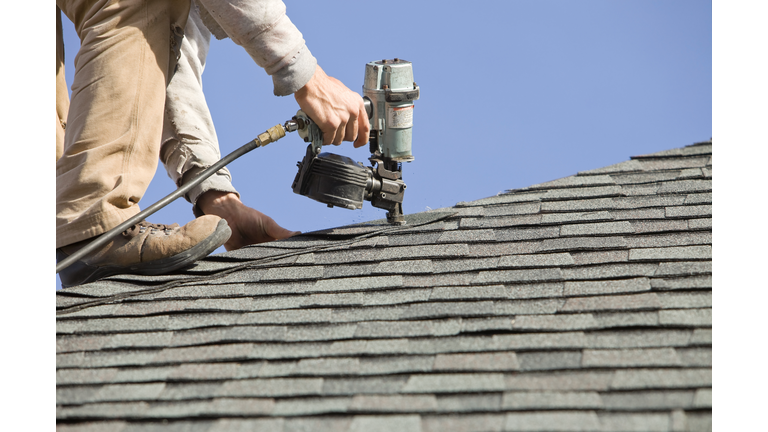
[[390, 87]]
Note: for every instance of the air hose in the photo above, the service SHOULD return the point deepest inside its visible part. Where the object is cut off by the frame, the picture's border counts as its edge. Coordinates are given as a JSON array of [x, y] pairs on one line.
[[269, 136]]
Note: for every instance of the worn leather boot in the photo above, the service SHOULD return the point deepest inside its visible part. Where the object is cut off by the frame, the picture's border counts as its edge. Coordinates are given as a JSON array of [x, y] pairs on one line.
[[146, 249]]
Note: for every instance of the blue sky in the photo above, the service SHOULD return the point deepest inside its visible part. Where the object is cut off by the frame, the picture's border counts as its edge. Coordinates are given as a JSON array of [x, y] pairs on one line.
[[512, 93]]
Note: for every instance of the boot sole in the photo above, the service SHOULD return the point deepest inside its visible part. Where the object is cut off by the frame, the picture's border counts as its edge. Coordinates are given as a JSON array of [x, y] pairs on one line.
[[80, 273]]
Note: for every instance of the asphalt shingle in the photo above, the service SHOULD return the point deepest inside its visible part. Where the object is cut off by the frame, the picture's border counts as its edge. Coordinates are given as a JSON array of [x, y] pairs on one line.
[[584, 303]]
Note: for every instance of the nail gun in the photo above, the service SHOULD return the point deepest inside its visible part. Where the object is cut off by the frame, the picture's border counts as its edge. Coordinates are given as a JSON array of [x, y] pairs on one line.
[[388, 94]]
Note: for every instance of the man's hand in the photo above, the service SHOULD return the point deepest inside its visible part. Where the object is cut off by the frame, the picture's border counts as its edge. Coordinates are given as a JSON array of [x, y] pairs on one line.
[[249, 226], [337, 110]]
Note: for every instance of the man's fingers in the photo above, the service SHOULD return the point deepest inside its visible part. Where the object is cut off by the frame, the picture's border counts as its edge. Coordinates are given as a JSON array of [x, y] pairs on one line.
[[363, 129]]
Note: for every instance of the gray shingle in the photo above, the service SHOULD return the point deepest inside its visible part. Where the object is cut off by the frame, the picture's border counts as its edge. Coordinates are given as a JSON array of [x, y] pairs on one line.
[[448, 309], [685, 300], [703, 398], [616, 286], [310, 406], [469, 402], [542, 260], [518, 276], [316, 424], [644, 177], [527, 307], [456, 382], [637, 339], [627, 319], [470, 292], [686, 211], [537, 290], [642, 301], [560, 381], [635, 422], [626, 166], [404, 423], [496, 361], [686, 186], [471, 236], [204, 353], [350, 270], [187, 391], [113, 426], [671, 253], [698, 421], [662, 378], [686, 317], [574, 181], [463, 423], [572, 244], [496, 250], [648, 400], [247, 425], [503, 221], [396, 364], [84, 376], [463, 265], [363, 385], [630, 357], [692, 282], [700, 224], [128, 392], [518, 234], [653, 226], [691, 173], [358, 284], [513, 209], [648, 201], [701, 337], [378, 329], [596, 229], [404, 267], [320, 332], [560, 218], [592, 204], [672, 239], [427, 251], [698, 198], [549, 360], [685, 268], [393, 403], [641, 213], [701, 357], [103, 410], [555, 322], [674, 163], [582, 192], [410, 239], [609, 271], [272, 387], [394, 297], [600, 257], [506, 198], [552, 421], [472, 325], [531, 400], [531, 341]]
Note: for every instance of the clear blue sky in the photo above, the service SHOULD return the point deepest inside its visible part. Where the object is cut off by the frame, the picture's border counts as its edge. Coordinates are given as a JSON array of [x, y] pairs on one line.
[[512, 93]]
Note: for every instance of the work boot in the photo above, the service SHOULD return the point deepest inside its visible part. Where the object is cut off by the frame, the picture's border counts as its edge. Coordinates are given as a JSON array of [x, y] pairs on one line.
[[146, 249]]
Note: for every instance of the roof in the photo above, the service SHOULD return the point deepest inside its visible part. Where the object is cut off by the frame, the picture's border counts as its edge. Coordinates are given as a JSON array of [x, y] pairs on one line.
[[584, 303]]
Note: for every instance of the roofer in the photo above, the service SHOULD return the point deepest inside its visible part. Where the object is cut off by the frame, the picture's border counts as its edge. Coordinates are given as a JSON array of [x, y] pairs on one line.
[[128, 108]]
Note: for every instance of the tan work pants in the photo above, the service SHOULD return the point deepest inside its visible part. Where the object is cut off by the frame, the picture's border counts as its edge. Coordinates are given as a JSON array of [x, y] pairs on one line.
[[115, 121]]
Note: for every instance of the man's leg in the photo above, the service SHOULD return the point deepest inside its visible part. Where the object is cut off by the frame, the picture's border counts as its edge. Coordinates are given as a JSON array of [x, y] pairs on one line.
[[112, 141], [190, 145], [62, 95], [115, 118]]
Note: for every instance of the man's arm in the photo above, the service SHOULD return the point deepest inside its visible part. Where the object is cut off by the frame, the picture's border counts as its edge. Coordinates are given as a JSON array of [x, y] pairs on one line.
[[274, 43]]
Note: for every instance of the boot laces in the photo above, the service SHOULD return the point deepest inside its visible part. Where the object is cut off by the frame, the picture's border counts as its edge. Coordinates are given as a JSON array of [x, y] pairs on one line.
[[142, 226]]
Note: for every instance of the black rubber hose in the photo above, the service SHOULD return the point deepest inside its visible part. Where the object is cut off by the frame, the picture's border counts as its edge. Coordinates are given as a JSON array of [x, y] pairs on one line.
[[104, 238]]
